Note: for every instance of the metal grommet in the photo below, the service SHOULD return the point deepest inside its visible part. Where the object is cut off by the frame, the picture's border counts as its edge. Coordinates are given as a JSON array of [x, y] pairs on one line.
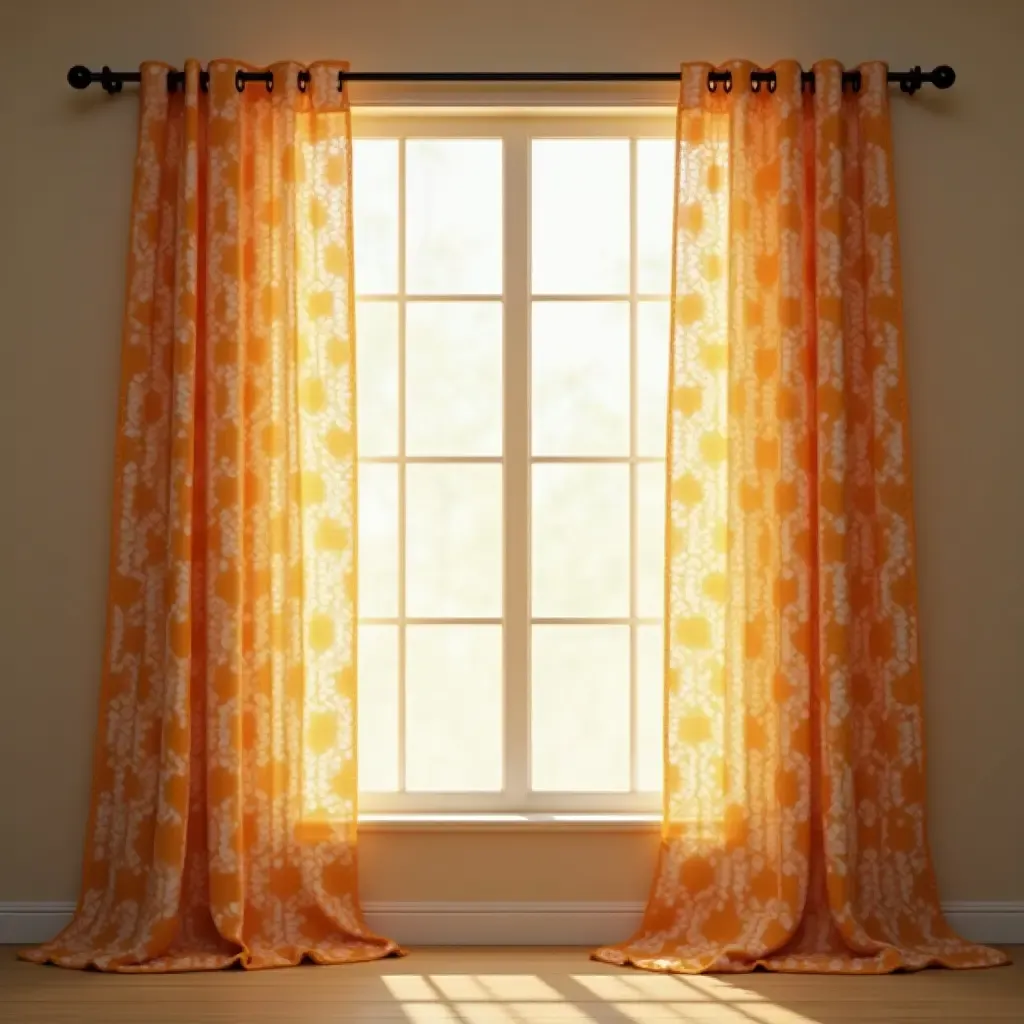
[[755, 82], [303, 80], [269, 81], [712, 82], [773, 82], [239, 81], [727, 84]]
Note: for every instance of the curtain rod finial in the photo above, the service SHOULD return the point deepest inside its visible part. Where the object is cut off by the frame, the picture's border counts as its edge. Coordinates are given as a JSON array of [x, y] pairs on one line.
[[79, 77], [943, 76]]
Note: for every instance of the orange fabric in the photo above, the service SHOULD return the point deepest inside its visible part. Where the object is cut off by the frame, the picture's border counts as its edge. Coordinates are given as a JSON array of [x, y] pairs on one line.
[[794, 834], [223, 816]]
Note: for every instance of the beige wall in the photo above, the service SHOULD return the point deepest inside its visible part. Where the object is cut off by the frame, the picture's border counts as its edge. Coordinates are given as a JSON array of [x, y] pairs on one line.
[[64, 181]]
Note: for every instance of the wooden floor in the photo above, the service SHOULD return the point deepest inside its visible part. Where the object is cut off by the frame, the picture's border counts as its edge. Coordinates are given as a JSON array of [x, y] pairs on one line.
[[501, 986]]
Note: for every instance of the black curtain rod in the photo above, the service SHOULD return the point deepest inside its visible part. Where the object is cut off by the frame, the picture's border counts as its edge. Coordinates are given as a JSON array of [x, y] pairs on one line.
[[80, 77]]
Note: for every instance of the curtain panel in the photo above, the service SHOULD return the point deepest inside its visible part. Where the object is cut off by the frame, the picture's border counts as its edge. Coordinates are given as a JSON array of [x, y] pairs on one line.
[[794, 825], [223, 819]]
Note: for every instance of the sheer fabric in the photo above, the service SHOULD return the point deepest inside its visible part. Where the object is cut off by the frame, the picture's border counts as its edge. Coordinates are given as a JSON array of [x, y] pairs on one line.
[[794, 832], [222, 827]]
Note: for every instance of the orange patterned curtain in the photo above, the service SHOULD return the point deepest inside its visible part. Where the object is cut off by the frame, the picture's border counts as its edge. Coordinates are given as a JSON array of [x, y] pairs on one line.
[[794, 835], [223, 816]]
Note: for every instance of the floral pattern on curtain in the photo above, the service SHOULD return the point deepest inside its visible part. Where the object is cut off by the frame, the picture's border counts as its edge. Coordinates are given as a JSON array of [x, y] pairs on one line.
[[223, 817], [794, 832]]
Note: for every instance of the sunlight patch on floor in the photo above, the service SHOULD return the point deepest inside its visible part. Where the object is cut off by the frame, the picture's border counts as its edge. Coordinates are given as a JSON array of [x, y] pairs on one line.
[[637, 986], [529, 999]]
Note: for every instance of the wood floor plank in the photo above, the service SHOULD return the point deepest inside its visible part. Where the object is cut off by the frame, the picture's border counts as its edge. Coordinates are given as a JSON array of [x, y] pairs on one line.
[[487, 985]]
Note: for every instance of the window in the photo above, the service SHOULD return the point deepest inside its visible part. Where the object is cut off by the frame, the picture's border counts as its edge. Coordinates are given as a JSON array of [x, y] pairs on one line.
[[512, 278]]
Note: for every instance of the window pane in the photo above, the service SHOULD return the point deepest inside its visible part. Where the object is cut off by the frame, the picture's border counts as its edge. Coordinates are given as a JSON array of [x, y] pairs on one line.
[[580, 540], [650, 540], [454, 553], [580, 392], [652, 378], [378, 540], [580, 216], [453, 216], [453, 709], [650, 690], [375, 214], [453, 378], [655, 202], [579, 706], [377, 377], [378, 709]]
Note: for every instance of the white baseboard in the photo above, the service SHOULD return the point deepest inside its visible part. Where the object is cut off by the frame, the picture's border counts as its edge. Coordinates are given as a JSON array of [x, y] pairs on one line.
[[998, 921], [24, 921], [505, 923], [516, 923]]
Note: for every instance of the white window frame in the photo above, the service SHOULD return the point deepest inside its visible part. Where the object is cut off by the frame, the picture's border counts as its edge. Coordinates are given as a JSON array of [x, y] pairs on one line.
[[516, 129]]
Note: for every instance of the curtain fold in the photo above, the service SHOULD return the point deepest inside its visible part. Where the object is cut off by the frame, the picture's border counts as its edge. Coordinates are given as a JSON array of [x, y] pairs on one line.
[[223, 816], [794, 833]]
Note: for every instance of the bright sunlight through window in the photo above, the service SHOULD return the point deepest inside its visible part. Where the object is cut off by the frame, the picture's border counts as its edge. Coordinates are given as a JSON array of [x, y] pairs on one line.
[[512, 278]]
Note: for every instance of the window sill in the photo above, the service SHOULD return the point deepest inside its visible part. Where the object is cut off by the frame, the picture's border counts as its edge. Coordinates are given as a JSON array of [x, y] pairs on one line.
[[500, 822]]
